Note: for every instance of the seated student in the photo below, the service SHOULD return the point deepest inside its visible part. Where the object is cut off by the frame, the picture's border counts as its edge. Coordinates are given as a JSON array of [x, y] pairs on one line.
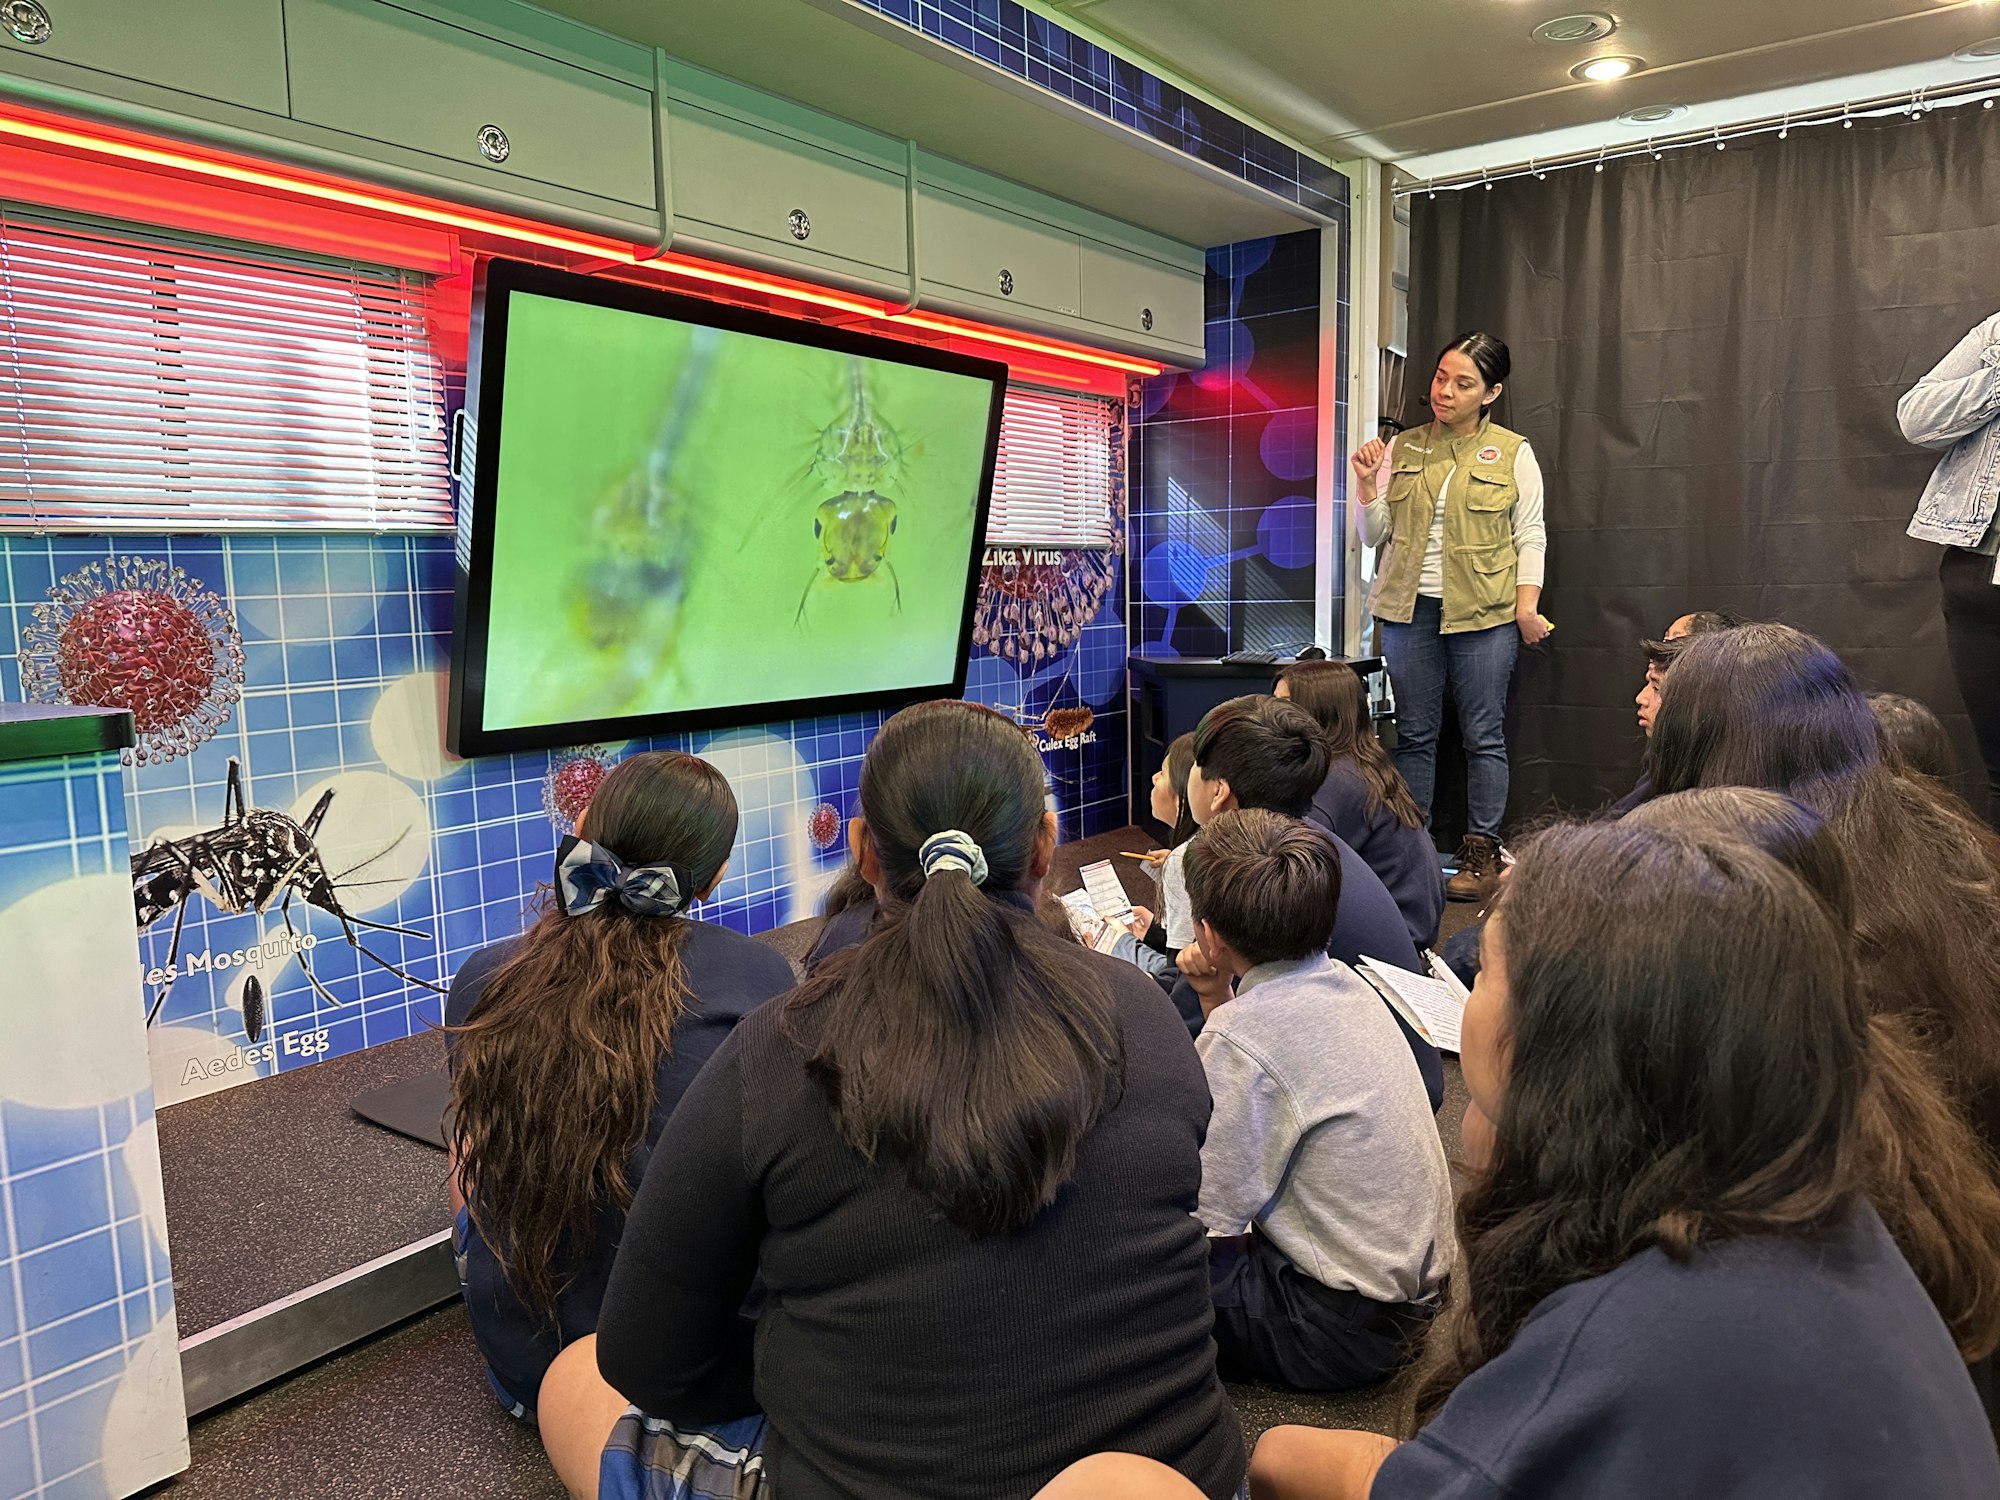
[[1322, 1153], [1929, 1177], [1364, 800], [1262, 752], [964, 1162], [1764, 706], [1660, 655], [1152, 943], [1673, 1282], [848, 909], [1913, 736], [570, 1046], [1461, 949], [1768, 706]]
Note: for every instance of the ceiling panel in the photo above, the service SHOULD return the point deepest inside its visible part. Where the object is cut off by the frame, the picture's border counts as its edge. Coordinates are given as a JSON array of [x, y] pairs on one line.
[[853, 63], [1397, 78]]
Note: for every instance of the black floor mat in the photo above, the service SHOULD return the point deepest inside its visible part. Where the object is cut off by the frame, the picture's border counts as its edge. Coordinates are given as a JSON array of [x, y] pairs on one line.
[[415, 1107]]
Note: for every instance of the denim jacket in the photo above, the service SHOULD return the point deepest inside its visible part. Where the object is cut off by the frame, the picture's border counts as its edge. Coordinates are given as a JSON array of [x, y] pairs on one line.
[[1955, 407]]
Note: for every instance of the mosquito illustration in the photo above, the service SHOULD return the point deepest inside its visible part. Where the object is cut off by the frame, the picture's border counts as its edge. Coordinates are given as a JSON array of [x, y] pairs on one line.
[[257, 856], [630, 590], [859, 457]]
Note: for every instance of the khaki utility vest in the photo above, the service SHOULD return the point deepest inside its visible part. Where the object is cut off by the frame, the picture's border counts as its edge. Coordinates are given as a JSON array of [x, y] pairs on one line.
[[1479, 553]]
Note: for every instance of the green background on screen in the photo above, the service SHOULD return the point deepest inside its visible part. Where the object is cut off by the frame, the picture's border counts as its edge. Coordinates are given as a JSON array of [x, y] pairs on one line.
[[653, 526]]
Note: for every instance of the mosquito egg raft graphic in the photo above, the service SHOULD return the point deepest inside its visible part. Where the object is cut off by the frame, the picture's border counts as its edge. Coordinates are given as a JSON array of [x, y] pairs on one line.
[[823, 827], [136, 634], [1061, 723], [573, 780]]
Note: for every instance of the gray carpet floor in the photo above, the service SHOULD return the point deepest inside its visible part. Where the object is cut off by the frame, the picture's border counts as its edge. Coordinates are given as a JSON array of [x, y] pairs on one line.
[[408, 1414]]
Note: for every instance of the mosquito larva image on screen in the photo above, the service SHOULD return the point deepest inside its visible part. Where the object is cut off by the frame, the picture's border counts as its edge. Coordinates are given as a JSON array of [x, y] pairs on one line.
[[688, 518]]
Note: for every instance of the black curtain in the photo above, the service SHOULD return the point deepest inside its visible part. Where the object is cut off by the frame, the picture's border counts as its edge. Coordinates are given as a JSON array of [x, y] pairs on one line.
[[1708, 351]]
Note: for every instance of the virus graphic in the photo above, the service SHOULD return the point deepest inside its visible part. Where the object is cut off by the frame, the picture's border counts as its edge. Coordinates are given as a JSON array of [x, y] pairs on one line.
[[573, 779], [1032, 611], [1061, 723], [137, 634], [1034, 602], [823, 827]]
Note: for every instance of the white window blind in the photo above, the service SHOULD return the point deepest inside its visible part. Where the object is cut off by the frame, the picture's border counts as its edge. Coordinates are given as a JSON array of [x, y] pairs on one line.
[[147, 385], [1052, 484]]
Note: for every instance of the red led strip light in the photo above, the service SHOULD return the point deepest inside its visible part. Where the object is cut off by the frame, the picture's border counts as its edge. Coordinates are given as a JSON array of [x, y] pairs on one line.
[[110, 142]]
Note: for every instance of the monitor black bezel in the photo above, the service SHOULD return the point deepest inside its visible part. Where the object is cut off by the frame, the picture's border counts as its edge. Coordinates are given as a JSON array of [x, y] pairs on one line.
[[496, 281]]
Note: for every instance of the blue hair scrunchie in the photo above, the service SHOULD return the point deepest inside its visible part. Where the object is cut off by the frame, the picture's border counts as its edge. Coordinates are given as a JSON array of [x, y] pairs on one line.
[[588, 875], [953, 849]]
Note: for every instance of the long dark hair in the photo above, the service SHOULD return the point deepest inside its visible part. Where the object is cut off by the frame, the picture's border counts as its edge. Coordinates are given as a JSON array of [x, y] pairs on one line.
[[552, 1078], [1927, 927], [1689, 1056], [1930, 1176], [1180, 761], [964, 1039], [1332, 693], [1764, 706]]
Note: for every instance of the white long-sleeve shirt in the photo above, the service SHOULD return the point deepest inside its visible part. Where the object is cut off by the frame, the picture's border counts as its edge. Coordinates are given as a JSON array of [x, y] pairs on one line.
[[1531, 535]]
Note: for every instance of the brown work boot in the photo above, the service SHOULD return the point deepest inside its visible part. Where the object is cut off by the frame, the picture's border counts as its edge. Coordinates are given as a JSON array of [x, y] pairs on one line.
[[1478, 874]]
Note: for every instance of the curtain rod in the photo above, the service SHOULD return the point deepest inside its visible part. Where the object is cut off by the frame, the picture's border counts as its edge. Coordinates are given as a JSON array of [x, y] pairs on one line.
[[1916, 103]]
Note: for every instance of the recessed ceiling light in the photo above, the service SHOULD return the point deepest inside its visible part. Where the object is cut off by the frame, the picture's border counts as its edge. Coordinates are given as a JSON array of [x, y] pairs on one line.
[[1604, 69], [1979, 52], [1652, 114], [1564, 31]]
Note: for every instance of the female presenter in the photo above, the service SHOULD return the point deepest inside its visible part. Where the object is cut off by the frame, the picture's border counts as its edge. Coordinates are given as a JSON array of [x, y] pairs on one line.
[[1457, 511]]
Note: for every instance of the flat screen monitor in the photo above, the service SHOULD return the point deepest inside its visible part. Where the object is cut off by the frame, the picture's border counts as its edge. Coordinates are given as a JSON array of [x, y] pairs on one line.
[[684, 515]]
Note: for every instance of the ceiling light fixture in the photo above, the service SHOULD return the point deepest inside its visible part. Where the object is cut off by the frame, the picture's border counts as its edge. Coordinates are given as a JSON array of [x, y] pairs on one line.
[[1652, 114], [1569, 31], [1979, 52], [1606, 69]]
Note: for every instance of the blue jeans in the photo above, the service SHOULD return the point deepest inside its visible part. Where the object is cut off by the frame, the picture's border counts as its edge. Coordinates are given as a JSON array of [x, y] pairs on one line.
[[1478, 664]]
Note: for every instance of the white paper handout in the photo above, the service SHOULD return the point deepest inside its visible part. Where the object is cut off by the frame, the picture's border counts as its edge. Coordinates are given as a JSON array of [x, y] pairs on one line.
[[1433, 1004], [1107, 893]]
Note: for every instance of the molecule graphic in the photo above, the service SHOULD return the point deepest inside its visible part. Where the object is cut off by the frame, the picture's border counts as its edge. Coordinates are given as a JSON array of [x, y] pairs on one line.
[[1176, 571], [137, 634], [823, 826], [573, 779]]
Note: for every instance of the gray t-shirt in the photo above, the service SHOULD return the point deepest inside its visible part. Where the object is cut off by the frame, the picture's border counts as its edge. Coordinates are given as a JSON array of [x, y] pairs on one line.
[[1322, 1134]]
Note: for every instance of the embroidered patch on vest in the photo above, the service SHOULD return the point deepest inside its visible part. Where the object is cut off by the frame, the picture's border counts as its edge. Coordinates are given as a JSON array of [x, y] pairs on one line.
[[1489, 454]]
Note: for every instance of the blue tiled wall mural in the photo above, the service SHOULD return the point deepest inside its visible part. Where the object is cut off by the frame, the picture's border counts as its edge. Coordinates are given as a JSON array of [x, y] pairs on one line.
[[1046, 53], [335, 728], [1224, 465], [90, 1386]]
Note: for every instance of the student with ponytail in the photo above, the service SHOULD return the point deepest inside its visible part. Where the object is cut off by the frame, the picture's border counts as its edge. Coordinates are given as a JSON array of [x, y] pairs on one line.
[[963, 1161], [571, 1045]]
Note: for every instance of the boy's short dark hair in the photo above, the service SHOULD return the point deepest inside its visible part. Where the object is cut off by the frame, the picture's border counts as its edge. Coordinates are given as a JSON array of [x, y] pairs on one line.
[[1913, 736], [1661, 653], [1269, 885], [1272, 753]]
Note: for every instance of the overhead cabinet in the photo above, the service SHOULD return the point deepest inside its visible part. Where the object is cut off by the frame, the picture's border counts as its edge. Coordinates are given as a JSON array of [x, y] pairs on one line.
[[982, 257], [502, 106], [463, 100], [761, 180], [1155, 302], [994, 250], [492, 103], [226, 51]]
